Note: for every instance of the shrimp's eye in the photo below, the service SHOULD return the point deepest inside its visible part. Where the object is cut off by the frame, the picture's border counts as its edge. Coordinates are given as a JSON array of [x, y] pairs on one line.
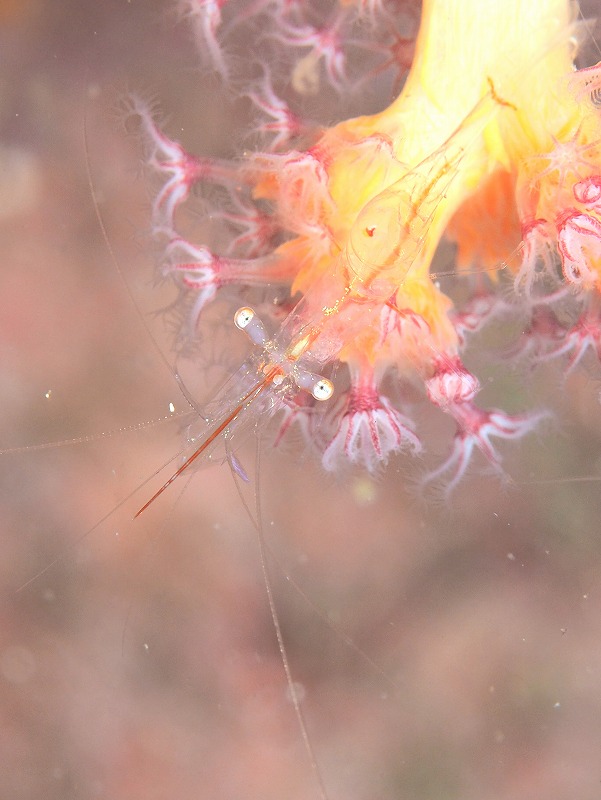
[[246, 320], [322, 389], [243, 317]]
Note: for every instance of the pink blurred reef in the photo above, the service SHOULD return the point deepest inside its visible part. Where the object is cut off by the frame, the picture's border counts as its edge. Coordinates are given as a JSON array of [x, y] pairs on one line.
[[455, 651]]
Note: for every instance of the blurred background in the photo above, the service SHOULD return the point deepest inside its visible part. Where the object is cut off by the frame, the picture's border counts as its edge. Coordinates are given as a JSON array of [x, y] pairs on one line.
[[442, 649]]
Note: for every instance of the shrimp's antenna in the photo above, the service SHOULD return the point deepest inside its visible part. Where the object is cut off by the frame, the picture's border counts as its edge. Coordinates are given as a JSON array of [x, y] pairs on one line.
[[553, 481], [117, 265], [294, 696], [586, 24], [98, 524], [337, 630], [94, 437]]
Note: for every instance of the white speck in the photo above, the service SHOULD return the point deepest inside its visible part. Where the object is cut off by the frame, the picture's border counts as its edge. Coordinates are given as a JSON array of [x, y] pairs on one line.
[[48, 394], [171, 408], [557, 705], [494, 513], [511, 556], [146, 646]]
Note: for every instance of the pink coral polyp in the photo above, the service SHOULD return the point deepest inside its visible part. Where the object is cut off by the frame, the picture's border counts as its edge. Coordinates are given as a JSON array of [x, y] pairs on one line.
[[368, 429], [579, 245], [451, 384]]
